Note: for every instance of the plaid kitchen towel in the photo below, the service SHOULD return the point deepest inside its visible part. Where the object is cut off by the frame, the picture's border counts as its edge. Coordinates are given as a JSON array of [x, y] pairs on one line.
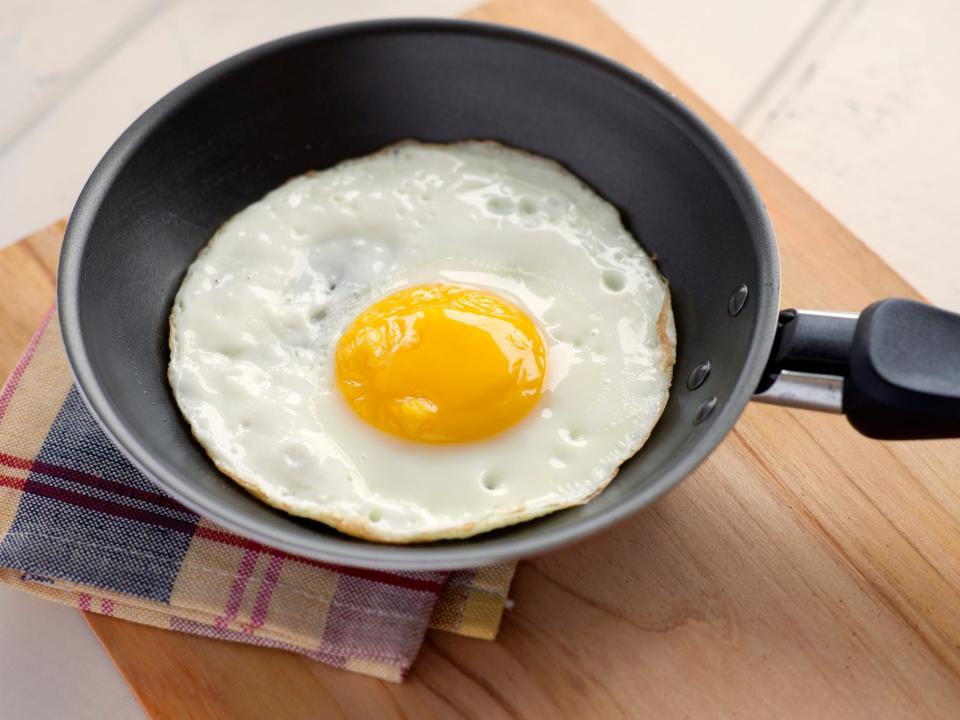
[[80, 525]]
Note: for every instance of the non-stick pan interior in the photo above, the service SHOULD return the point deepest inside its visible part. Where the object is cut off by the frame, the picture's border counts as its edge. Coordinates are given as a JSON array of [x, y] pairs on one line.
[[232, 134]]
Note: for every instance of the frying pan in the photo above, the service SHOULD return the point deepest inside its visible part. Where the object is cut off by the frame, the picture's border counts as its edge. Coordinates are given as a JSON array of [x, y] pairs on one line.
[[234, 132]]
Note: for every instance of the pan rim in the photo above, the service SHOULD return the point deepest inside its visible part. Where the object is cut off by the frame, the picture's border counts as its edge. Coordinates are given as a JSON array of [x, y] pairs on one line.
[[470, 552]]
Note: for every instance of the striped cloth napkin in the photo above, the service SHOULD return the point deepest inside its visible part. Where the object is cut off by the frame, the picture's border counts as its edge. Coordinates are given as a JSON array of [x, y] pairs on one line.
[[80, 525]]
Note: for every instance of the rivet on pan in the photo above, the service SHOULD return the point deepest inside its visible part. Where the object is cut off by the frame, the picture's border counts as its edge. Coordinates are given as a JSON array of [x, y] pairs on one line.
[[737, 300], [698, 375], [704, 412]]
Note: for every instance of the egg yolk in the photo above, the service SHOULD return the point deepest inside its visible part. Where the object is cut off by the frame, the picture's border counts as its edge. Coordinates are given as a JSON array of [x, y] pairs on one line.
[[441, 364]]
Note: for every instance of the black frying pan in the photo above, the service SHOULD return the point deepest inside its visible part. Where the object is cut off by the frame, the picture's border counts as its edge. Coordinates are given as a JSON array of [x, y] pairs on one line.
[[238, 130]]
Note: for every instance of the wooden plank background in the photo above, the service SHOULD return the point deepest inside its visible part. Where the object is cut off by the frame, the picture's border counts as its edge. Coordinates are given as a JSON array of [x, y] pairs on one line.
[[802, 571]]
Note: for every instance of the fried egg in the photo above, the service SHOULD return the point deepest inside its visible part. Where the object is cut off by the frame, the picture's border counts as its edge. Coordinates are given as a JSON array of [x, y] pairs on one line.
[[428, 342]]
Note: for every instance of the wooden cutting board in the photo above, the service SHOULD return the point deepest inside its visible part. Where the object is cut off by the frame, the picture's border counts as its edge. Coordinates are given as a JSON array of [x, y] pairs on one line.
[[803, 571]]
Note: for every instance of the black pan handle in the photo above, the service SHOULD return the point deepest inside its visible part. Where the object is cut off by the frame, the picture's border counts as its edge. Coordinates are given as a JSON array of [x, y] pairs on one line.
[[894, 370]]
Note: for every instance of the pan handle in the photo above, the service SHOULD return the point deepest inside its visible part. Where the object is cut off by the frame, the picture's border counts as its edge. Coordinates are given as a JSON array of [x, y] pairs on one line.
[[894, 370]]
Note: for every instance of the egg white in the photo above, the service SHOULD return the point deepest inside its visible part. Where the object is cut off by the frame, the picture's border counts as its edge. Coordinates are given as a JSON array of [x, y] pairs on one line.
[[255, 324]]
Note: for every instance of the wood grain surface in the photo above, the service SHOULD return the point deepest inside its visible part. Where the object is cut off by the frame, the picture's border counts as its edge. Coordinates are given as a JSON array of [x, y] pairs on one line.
[[802, 571]]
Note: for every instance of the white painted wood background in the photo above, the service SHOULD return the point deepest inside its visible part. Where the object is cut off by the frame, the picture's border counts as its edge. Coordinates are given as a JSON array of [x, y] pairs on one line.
[[857, 99]]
